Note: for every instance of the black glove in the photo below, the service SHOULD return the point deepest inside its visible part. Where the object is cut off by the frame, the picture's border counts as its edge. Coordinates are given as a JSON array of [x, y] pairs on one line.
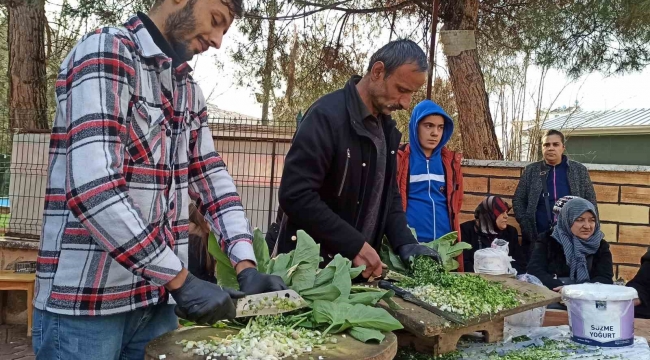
[[253, 282], [203, 302], [407, 251]]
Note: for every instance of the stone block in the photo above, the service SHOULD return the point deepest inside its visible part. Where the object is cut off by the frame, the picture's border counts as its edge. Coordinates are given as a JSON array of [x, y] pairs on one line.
[[627, 254], [606, 193], [627, 272], [610, 231], [634, 214], [475, 184], [632, 234], [620, 177], [635, 195], [503, 186], [493, 171]]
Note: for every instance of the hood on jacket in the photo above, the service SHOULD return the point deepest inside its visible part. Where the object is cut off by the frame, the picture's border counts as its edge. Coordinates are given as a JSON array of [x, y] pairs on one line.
[[421, 111]]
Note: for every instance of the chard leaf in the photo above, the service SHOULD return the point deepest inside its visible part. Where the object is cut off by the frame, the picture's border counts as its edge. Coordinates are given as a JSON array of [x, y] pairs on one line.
[[365, 334], [327, 292], [281, 266], [366, 298], [448, 238], [342, 316], [226, 275], [261, 251], [303, 278], [305, 262], [458, 248], [324, 276], [391, 259], [354, 272], [307, 251]]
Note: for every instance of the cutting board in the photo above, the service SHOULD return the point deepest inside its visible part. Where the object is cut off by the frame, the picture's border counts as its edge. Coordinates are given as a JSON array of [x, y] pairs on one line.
[[345, 348]]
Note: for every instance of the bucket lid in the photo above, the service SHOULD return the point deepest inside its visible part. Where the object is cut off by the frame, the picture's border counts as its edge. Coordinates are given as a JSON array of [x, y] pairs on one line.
[[600, 292]]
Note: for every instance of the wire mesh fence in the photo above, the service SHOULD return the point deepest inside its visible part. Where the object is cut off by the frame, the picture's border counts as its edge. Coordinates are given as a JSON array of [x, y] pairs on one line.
[[253, 151]]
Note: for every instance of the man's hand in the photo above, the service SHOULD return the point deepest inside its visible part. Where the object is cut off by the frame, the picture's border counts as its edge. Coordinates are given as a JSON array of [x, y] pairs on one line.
[[637, 302], [253, 282], [407, 251], [558, 289], [368, 257], [203, 302]]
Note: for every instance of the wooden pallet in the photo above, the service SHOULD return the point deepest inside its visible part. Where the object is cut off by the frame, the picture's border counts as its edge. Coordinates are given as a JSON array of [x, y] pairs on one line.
[[430, 333]]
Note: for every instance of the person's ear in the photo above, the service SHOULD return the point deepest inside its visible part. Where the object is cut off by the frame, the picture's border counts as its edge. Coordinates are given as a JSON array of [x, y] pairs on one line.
[[377, 71]]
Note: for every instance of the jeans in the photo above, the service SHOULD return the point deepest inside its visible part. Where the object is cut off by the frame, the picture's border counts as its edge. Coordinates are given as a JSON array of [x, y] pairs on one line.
[[113, 337]]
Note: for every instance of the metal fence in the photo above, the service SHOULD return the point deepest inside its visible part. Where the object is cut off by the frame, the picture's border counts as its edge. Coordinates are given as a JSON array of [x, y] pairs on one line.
[[254, 153]]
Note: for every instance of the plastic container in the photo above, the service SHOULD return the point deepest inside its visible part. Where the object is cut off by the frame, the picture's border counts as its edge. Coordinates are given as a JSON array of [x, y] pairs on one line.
[[601, 315], [492, 261], [533, 318]]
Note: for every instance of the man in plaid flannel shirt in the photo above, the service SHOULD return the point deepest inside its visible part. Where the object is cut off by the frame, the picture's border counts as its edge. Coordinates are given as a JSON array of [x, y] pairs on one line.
[[130, 146]]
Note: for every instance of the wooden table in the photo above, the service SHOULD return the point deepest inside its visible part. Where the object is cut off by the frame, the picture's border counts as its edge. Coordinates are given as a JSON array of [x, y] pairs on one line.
[[345, 349], [10, 280], [431, 333]]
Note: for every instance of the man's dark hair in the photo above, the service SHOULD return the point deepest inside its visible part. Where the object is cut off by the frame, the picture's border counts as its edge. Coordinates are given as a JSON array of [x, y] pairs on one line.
[[236, 7], [397, 53], [551, 132]]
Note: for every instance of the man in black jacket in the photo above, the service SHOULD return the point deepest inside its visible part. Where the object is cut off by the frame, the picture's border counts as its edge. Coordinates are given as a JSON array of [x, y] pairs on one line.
[[339, 181]]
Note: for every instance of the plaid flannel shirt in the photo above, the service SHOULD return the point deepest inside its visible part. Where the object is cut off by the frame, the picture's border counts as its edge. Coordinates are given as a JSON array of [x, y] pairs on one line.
[[129, 146]]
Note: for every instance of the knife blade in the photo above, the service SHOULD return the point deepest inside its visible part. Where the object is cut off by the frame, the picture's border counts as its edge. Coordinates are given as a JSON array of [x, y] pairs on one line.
[[270, 303], [408, 296]]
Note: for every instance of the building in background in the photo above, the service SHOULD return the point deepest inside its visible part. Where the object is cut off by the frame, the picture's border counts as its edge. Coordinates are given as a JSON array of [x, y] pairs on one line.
[[619, 137]]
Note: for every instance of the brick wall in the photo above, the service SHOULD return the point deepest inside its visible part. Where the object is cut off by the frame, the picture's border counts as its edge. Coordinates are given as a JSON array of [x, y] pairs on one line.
[[623, 194]]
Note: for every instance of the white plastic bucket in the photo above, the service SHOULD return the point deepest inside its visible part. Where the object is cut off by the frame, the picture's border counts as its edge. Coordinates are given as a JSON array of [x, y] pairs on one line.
[[601, 315]]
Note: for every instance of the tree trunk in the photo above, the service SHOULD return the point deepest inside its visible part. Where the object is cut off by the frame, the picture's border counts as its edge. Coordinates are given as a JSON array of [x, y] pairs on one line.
[[27, 74], [267, 80], [291, 69], [475, 120]]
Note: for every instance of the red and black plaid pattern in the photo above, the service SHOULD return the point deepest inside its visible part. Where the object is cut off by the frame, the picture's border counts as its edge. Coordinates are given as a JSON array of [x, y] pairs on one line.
[[129, 147]]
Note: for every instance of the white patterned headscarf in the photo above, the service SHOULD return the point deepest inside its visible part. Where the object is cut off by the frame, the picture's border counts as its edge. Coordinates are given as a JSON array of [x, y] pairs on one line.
[[575, 249]]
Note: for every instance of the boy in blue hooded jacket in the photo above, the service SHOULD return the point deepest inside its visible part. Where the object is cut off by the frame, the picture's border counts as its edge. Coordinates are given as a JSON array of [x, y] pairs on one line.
[[429, 175]]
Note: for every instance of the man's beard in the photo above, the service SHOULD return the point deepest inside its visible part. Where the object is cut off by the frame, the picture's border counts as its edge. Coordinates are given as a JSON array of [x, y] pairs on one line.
[[178, 26]]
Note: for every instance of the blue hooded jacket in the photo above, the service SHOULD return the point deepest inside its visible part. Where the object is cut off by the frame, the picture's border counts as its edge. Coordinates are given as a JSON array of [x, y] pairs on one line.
[[426, 211]]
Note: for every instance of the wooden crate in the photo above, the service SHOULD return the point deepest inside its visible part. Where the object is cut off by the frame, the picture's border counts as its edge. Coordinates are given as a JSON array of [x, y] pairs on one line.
[[430, 333]]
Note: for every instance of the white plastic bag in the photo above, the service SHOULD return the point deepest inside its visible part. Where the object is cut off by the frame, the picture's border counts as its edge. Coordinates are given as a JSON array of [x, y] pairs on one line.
[[532, 318], [493, 262], [502, 245]]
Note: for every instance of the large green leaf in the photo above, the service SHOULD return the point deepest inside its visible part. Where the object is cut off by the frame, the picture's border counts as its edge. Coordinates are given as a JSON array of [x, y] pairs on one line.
[[366, 298], [226, 275], [391, 259], [324, 276], [342, 316], [261, 251], [364, 334], [305, 260], [327, 292], [458, 248]]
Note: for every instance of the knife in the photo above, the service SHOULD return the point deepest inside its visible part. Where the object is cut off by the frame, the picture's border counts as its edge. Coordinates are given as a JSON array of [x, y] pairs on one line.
[[270, 303], [407, 296]]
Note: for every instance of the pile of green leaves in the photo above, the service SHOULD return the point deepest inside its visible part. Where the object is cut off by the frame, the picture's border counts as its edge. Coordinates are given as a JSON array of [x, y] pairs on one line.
[[467, 295], [447, 246], [336, 305]]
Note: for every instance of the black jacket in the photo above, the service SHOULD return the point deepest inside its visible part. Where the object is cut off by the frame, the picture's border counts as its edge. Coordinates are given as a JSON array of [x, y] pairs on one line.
[[641, 282], [328, 175], [510, 234], [548, 263]]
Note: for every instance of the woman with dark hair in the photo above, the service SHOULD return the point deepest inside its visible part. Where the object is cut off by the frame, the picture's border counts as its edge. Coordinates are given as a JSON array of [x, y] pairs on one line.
[[491, 222], [200, 262], [574, 251]]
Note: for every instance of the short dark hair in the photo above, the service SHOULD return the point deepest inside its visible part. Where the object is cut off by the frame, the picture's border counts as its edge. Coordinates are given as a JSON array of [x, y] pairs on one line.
[[397, 53], [551, 132], [236, 7]]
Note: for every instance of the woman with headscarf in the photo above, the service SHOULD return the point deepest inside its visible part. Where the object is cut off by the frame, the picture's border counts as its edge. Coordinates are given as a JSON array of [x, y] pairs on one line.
[[574, 251], [490, 223]]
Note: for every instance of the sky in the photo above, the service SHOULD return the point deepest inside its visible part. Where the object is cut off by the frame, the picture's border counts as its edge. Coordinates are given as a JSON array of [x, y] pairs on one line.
[[593, 92]]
